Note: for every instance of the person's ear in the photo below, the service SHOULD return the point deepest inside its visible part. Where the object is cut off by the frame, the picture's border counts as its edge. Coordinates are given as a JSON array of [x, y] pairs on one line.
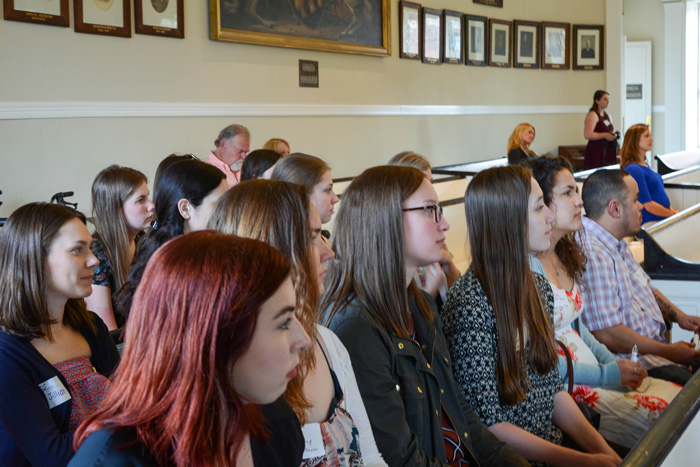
[[185, 208], [614, 209]]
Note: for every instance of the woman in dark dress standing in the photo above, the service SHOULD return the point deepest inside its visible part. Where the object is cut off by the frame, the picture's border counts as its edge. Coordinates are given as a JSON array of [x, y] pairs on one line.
[[598, 130]]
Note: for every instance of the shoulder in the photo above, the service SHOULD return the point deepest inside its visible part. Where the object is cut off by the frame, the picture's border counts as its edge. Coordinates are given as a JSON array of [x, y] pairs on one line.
[[112, 448], [466, 289]]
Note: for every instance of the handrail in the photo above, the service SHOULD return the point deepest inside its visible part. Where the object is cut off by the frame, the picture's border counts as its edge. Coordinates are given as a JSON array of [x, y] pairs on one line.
[[655, 445]]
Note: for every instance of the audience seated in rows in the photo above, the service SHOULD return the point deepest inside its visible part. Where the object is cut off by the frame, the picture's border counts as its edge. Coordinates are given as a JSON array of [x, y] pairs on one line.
[[623, 308], [54, 354], [278, 145], [598, 373], [324, 395], [389, 224], [121, 211], [502, 343]]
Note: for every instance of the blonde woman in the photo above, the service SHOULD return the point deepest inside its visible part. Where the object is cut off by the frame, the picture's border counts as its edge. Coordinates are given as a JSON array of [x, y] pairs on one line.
[[519, 144], [121, 210], [279, 145]]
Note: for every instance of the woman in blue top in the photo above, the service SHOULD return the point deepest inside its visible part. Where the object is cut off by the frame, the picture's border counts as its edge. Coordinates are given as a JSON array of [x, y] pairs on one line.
[[652, 195]]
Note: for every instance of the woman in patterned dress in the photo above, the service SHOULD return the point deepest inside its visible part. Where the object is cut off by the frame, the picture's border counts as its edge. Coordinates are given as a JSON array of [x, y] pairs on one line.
[[498, 326], [602, 379]]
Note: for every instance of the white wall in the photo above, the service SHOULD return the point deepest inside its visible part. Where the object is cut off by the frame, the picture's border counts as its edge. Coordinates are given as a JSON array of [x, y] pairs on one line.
[[47, 70]]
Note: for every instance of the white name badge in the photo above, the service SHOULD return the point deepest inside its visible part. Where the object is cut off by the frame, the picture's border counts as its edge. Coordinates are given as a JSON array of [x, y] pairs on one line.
[[607, 122], [55, 392], [313, 441]]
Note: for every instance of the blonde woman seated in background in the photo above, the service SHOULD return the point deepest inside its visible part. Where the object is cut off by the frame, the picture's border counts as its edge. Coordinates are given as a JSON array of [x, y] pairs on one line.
[[626, 415], [278, 145], [324, 394], [435, 278], [121, 210], [519, 144]]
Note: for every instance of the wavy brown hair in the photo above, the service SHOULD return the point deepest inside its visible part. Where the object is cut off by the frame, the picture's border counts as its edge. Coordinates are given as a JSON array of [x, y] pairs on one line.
[[567, 249], [277, 213], [629, 153], [193, 317], [25, 243], [496, 206], [368, 242]]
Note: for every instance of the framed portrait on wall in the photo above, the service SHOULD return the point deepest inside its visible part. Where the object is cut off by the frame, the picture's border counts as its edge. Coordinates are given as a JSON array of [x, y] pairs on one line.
[[432, 36], [555, 46], [409, 30], [526, 44], [159, 18], [453, 30], [103, 17], [496, 3], [53, 13], [500, 32], [588, 47], [476, 40]]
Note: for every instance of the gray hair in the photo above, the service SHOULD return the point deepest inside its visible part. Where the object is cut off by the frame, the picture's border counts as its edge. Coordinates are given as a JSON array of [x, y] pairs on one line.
[[231, 132]]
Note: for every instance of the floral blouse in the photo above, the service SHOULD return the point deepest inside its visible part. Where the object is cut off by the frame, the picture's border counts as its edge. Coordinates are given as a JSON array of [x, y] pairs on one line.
[[102, 274], [470, 329]]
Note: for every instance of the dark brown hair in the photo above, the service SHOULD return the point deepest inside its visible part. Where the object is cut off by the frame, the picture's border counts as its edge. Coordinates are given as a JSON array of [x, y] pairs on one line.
[[598, 95], [368, 242], [25, 243], [496, 206], [193, 317]]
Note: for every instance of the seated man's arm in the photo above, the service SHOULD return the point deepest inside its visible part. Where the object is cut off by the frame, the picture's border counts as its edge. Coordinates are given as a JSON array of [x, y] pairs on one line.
[[621, 339], [674, 314]]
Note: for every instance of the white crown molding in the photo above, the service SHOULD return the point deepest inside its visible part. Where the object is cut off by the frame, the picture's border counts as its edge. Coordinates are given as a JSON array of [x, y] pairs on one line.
[[50, 110]]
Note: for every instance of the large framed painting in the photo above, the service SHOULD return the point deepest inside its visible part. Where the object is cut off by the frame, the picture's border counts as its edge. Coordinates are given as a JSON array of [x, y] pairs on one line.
[[54, 13], [348, 26]]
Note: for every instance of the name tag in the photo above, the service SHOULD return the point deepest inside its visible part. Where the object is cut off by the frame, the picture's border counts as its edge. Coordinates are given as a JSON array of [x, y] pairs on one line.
[[55, 392], [607, 122], [640, 275], [313, 441]]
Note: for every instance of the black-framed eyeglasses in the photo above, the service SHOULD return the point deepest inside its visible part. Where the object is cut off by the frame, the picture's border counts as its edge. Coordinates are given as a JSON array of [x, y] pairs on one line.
[[434, 209]]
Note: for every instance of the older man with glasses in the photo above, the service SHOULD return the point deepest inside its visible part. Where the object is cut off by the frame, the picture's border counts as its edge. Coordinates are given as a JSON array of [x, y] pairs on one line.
[[232, 145]]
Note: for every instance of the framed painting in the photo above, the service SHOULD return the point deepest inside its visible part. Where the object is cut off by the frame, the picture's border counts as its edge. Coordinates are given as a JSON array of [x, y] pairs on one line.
[[588, 47], [338, 26], [526, 44], [409, 30], [556, 52], [453, 32], [432, 36], [476, 38], [53, 13], [500, 32], [103, 17], [160, 18]]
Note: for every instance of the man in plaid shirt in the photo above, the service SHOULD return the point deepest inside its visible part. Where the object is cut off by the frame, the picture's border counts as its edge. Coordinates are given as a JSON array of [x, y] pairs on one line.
[[622, 306]]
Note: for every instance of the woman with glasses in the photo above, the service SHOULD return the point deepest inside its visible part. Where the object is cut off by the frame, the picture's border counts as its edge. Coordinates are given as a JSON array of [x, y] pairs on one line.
[[497, 322], [389, 225]]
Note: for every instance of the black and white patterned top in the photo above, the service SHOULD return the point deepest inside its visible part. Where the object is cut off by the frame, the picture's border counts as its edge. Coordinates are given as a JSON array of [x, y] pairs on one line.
[[470, 328]]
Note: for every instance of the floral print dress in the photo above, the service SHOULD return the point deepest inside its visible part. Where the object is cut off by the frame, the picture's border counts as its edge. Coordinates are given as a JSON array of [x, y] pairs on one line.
[[625, 414]]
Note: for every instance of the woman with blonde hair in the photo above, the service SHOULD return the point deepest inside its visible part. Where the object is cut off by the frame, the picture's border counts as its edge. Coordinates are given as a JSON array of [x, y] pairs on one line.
[[55, 356], [519, 144], [324, 394], [278, 145], [652, 194], [121, 211]]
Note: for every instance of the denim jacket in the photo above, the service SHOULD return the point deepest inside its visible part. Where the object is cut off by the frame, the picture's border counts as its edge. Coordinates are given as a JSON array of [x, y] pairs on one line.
[[406, 384]]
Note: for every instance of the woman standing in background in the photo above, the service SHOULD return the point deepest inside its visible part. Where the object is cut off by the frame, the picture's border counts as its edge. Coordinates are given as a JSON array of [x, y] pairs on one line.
[[599, 131]]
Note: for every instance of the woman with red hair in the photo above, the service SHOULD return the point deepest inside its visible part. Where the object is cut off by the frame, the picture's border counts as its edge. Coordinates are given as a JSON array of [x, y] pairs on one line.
[[211, 335]]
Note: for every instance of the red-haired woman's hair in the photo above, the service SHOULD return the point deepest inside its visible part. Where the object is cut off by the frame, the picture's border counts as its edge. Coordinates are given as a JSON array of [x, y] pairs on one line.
[[193, 317]]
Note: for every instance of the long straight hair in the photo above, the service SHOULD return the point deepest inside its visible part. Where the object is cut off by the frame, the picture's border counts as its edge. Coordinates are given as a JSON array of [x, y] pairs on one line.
[[629, 154], [496, 207], [277, 213], [194, 316], [25, 243], [301, 169], [188, 179], [110, 190], [368, 241]]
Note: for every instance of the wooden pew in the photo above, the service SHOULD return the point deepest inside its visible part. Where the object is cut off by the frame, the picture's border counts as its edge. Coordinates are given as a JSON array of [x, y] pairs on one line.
[[667, 163]]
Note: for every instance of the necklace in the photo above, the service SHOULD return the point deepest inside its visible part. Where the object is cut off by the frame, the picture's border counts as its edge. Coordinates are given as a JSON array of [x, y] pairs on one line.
[[552, 263]]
